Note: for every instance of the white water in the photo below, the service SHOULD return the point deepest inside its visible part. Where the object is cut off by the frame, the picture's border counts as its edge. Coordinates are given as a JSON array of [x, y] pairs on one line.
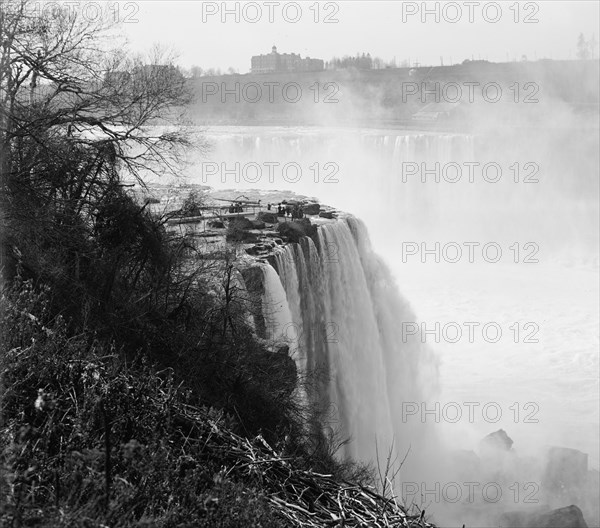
[[277, 314], [355, 325], [559, 374]]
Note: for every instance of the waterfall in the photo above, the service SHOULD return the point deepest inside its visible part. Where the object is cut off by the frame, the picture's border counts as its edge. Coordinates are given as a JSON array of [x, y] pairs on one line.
[[290, 288], [342, 305], [279, 323], [349, 315]]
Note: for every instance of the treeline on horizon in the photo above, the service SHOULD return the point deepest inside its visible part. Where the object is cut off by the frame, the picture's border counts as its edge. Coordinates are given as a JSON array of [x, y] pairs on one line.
[[361, 61], [394, 96], [114, 331], [586, 49]]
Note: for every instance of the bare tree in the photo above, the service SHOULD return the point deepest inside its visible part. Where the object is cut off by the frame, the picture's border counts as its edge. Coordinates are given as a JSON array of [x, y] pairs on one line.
[[77, 116]]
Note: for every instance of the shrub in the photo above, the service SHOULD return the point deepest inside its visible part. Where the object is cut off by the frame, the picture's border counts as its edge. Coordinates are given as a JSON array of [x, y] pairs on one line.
[[88, 438]]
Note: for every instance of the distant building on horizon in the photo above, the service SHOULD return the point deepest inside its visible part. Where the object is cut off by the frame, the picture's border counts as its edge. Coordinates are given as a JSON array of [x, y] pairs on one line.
[[284, 62]]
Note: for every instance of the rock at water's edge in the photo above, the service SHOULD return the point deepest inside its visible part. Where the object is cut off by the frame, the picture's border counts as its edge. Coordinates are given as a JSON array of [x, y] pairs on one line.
[[496, 441], [241, 222], [327, 214], [567, 517]]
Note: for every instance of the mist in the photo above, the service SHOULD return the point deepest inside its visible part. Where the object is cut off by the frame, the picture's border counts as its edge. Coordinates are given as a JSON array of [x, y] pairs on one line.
[[523, 180]]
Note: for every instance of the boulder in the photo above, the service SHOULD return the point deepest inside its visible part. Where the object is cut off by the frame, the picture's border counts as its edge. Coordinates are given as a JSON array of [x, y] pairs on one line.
[[238, 230], [520, 519], [496, 441], [297, 229], [241, 222], [258, 224], [330, 215], [269, 218], [311, 209], [567, 517]]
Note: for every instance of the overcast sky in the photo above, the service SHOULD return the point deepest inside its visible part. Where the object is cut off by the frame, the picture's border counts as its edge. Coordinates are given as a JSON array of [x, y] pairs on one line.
[[204, 34]]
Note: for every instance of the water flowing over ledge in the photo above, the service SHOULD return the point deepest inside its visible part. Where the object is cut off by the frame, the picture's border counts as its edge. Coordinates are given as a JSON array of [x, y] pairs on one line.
[[339, 309]]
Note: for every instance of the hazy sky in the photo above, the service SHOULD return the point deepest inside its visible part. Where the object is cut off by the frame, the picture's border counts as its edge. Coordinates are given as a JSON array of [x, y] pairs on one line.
[[207, 33]]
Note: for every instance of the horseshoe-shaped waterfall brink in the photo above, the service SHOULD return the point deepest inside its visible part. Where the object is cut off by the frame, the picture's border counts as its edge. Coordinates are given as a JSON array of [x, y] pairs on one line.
[[337, 305]]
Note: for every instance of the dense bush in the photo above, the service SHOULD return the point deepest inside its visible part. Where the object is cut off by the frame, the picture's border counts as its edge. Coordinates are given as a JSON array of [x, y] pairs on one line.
[[96, 358], [88, 439]]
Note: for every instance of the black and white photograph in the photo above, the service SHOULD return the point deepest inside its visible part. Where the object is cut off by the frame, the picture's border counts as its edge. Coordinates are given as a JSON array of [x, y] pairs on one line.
[[278, 264]]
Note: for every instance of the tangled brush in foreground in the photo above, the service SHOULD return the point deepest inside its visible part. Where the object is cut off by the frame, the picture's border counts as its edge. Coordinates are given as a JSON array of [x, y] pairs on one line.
[[90, 440], [302, 497]]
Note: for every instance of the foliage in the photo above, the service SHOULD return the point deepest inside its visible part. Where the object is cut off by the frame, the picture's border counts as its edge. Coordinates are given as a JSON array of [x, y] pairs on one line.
[[102, 442], [77, 118], [129, 365], [360, 62], [90, 439], [193, 203]]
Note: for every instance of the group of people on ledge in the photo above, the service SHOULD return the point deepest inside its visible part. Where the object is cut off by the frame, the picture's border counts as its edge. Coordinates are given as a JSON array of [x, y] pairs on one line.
[[295, 211], [236, 207]]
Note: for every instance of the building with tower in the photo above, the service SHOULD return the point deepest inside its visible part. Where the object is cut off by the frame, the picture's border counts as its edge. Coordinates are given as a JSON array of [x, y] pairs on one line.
[[284, 62]]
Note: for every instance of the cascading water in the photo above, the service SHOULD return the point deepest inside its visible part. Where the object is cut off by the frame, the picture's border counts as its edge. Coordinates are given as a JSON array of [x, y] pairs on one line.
[[349, 315], [277, 315], [346, 315], [345, 312]]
